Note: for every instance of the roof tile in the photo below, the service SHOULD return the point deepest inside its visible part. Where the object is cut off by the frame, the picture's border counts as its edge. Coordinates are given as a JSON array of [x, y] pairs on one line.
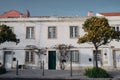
[[111, 14]]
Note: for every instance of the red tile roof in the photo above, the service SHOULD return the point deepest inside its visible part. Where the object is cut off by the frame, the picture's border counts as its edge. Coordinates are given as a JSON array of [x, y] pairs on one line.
[[13, 14], [111, 14]]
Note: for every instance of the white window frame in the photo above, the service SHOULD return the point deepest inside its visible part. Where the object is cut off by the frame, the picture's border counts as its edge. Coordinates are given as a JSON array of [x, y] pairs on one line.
[[29, 57], [116, 28], [30, 31], [99, 57], [75, 55], [73, 31], [52, 32]]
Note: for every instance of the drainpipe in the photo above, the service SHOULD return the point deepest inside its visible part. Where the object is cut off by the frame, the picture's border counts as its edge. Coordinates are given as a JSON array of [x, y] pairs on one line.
[[71, 64], [17, 68]]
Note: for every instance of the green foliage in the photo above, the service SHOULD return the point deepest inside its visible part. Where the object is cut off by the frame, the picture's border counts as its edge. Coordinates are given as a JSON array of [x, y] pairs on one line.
[[96, 73], [6, 34], [2, 70], [97, 31]]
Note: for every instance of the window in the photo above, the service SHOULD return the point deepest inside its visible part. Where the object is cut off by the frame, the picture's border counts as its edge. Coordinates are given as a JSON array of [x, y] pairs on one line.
[[113, 28], [73, 31], [29, 57], [30, 32], [98, 55], [75, 55], [116, 28], [51, 32]]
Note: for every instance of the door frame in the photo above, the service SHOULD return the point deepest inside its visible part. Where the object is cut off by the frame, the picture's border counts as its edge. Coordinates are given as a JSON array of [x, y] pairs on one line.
[[114, 62], [4, 57], [114, 58], [54, 52]]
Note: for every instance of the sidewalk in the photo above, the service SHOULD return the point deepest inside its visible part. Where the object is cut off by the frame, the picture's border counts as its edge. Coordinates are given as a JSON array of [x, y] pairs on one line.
[[37, 74]]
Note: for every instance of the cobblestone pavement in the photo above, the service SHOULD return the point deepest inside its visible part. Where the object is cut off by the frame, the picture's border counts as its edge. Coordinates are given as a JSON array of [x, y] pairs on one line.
[[37, 74], [115, 74]]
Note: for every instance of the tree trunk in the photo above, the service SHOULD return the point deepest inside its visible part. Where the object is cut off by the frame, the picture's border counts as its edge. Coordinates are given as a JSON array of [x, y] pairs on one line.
[[96, 53]]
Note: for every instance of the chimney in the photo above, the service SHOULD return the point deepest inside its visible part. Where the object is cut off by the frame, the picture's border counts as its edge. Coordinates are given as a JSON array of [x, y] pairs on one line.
[[90, 13], [21, 15], [27, 13]]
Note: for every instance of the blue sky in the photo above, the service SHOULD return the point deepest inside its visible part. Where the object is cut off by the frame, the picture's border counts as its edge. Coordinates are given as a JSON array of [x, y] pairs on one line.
[[60, 7]]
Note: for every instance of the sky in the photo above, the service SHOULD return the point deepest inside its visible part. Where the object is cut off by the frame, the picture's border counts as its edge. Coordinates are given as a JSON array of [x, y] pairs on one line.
[[60, 7]]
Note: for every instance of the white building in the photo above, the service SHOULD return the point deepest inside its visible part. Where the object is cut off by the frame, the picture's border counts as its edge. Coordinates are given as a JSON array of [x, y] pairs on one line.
[[48, 31]]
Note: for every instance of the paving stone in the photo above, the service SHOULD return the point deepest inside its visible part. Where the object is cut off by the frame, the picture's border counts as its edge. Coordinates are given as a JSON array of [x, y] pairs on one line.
[[37, 74]]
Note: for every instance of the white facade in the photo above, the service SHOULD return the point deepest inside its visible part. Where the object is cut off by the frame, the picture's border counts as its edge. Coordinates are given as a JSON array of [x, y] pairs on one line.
[[109, 56]]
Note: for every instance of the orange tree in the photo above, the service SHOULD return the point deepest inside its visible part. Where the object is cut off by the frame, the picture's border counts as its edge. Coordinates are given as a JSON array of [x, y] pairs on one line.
[[7, 35], [98, 31]]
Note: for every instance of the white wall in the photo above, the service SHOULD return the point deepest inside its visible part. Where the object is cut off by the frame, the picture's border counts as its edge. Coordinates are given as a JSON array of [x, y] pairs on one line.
[[63, 37]]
